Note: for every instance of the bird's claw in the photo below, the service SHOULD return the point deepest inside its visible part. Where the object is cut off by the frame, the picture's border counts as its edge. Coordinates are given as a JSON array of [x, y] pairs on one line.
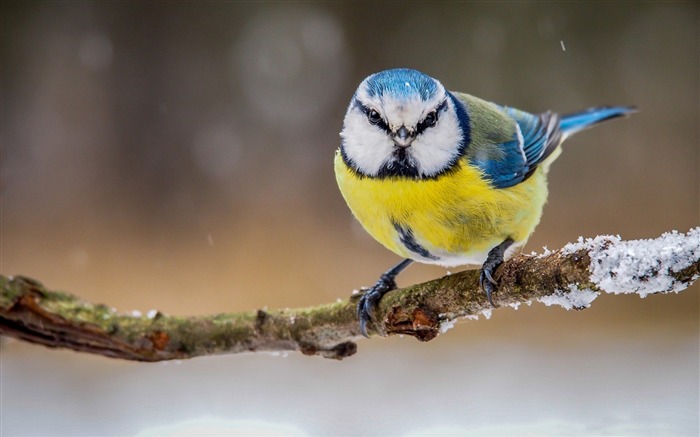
[[486, 281], [493, 261], [488, 285], [369, 301]]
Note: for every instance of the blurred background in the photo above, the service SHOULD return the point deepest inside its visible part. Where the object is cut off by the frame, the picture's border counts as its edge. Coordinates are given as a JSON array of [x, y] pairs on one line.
[[178, 156]]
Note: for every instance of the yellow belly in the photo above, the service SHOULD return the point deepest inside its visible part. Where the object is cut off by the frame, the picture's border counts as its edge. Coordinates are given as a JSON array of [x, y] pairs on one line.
[[457, 218]]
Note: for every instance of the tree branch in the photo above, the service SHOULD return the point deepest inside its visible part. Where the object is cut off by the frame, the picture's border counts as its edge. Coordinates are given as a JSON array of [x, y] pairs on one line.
[[571, 277]]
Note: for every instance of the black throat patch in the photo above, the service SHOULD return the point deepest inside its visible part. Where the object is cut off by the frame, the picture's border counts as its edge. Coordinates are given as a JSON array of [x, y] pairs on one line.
[[400, 164]]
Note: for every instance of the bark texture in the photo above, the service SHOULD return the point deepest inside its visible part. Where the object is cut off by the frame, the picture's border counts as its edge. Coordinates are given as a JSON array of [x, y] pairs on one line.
[[31, 312]]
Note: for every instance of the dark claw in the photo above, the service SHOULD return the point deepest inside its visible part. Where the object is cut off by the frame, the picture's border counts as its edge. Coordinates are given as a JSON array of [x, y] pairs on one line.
[[369, 301], [488, 276], [488, 284], [493, 261]]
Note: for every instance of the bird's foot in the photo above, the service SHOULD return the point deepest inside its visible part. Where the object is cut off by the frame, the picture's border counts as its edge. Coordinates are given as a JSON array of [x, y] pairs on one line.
[[493, 261], [369, 301]]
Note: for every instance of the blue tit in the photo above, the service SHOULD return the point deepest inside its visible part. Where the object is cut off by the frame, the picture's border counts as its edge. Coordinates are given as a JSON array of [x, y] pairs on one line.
[[445, 178]]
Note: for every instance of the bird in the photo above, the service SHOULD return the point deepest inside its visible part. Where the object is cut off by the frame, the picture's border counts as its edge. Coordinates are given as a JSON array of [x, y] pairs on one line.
[[443, 177]]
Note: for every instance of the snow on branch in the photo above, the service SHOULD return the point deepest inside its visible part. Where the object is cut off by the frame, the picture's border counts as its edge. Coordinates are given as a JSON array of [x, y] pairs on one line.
[[571, 277]]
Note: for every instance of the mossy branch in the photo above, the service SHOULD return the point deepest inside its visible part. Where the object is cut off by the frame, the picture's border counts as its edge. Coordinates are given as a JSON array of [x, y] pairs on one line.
[[571, 277]]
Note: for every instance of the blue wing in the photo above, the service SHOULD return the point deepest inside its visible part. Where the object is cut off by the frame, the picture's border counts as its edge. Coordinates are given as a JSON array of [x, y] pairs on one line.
[[536, 138]]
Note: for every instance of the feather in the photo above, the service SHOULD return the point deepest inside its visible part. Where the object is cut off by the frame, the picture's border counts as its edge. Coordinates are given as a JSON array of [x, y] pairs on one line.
[[533, 137], [516, 143], [577, 121]]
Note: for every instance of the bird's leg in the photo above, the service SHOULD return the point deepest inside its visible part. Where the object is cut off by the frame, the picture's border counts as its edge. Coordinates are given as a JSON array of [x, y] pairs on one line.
[[369, 300], [493, 260]]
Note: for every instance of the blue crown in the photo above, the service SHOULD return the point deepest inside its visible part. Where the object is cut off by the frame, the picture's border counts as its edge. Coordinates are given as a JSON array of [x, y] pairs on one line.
[[403, 83]]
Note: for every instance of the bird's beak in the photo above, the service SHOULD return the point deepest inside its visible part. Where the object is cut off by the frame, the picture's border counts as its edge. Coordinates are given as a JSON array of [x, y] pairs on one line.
[[403, 137]]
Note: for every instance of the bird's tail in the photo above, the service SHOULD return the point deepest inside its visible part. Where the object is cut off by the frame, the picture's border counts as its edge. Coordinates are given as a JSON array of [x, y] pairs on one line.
[[572, 123]]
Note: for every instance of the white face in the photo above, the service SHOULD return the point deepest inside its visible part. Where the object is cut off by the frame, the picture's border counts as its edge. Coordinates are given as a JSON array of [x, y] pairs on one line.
[[393, 133]]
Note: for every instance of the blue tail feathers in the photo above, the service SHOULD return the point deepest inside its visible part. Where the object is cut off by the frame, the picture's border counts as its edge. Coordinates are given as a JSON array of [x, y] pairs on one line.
[[571, 123]]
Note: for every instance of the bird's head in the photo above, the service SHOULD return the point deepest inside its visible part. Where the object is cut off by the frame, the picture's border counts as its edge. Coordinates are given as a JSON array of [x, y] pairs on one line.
[[402, 122]]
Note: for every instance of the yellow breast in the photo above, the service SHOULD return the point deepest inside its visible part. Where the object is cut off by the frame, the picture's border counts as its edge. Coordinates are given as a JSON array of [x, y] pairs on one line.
[[453, 219]]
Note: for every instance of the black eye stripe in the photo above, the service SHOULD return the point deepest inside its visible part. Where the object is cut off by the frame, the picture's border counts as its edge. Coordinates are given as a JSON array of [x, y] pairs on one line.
[[425, 124], [420, 128], [367, 110]]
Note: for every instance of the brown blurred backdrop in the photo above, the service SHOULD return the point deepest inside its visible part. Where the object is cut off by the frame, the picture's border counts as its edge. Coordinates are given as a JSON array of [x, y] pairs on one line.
[[178, 156]]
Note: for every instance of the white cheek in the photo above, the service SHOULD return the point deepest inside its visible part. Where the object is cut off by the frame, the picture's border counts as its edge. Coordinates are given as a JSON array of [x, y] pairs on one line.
[[436, 148], [367, 146]]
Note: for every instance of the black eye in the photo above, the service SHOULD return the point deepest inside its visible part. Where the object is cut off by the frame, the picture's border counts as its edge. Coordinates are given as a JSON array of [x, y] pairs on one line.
[[430, 119], [374, 117]]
